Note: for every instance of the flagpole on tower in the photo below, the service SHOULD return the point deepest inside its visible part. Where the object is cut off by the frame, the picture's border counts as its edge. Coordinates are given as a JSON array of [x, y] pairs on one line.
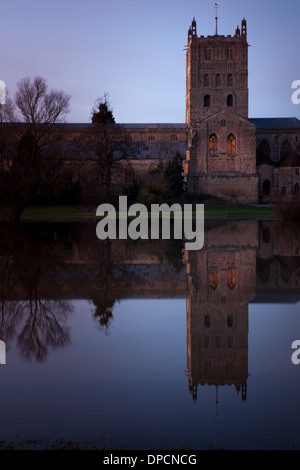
[[216, 7]]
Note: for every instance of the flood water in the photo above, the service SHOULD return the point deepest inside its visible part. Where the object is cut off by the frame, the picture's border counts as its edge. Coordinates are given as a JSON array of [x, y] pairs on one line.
[[141, 345]]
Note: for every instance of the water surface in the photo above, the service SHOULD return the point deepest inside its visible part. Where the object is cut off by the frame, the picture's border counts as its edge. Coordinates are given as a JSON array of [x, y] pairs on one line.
[[141, 345]]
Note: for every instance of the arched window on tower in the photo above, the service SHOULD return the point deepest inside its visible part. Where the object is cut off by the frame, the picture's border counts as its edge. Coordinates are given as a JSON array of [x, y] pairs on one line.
[[231, 144], [218, 80], [213, 146], [230, 80], [230, 101], [296, 189], [206, 101], [206, 80]]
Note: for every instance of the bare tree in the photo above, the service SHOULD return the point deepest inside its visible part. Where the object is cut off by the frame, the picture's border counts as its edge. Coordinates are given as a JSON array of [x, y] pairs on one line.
[[27, 166], [39, 108]]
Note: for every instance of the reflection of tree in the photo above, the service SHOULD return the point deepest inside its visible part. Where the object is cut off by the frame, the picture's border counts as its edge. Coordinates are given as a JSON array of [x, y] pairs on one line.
[[102, 314], [107, 276], [30, 263], [42, 327]]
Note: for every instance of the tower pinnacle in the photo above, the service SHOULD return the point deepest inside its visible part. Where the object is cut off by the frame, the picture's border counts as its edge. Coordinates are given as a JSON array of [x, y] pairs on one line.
[[216, 18]]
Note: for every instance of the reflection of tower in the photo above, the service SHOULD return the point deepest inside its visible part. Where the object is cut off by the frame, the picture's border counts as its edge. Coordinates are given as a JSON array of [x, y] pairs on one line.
[[222, 283]]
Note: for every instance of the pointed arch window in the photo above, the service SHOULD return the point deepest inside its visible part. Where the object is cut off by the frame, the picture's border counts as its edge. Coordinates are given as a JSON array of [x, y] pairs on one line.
[[213, 145], [231, 144], [229, 101], [296, 188], [218, 80], [206, 80], [206, 101], [230, 80], [285, 148], [213, 279], [231, 278]]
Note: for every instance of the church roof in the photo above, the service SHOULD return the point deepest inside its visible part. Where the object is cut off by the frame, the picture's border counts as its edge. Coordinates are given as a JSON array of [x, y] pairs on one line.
[[264, 123]]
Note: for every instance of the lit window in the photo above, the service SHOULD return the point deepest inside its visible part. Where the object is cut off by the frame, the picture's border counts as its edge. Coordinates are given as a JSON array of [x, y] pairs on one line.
[[231, 144], [213, 279], [213, 146]]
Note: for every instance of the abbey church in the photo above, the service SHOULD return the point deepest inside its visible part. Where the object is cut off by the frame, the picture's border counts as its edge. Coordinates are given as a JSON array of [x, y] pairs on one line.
[[226, 154]]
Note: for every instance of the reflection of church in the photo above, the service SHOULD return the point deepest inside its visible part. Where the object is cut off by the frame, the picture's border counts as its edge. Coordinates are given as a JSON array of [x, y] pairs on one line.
[[241, 263]]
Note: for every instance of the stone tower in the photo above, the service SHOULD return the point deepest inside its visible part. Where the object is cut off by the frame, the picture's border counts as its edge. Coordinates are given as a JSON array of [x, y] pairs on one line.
[[221, 151], [216, 73]]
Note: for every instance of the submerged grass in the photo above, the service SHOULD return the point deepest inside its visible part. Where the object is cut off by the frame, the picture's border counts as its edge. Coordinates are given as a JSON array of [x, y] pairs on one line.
[[56, 214]]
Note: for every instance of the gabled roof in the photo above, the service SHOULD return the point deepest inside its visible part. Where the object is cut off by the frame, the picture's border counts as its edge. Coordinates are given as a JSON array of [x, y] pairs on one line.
[[292, 159]]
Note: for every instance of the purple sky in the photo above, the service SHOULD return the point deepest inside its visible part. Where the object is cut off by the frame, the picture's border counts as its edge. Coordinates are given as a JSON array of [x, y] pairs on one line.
[[134, 51]]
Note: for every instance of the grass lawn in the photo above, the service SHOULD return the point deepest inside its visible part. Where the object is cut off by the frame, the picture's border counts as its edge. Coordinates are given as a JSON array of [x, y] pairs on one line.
[[57, 214]]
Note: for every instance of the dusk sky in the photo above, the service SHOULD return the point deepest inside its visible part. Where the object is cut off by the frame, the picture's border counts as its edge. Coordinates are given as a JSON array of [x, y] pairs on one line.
[[134, 50]]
